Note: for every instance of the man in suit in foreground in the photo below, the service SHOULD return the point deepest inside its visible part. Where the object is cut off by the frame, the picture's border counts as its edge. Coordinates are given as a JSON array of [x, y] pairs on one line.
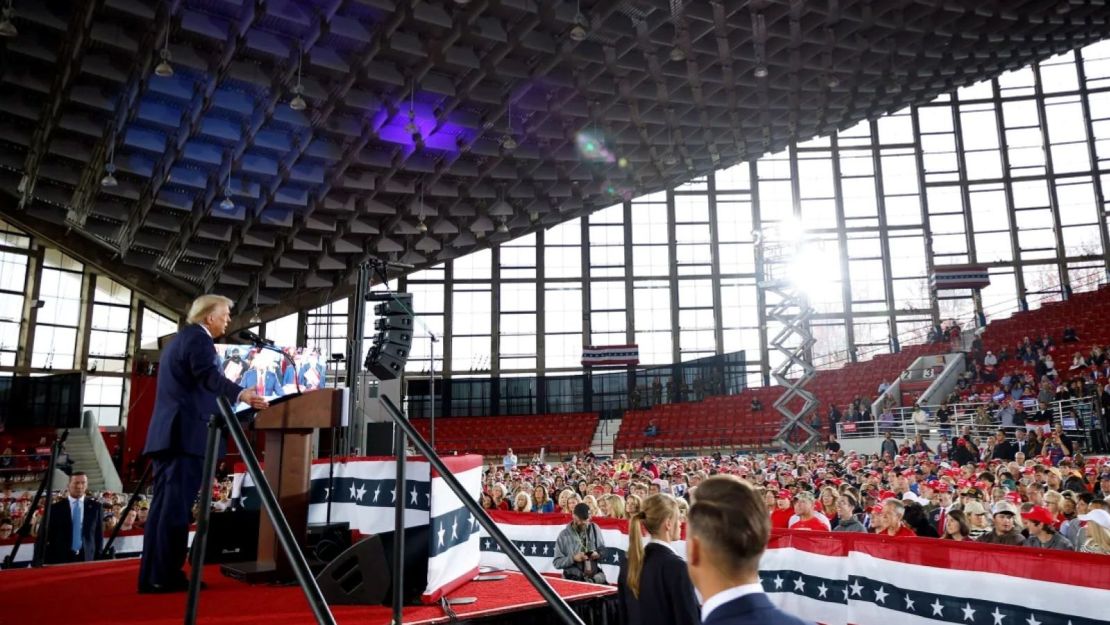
[[727, 531], [190, 379], [76, 526]]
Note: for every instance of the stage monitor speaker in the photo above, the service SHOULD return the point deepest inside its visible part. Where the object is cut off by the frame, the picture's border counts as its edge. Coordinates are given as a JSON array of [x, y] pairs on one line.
[[362, 575], [232, 536]]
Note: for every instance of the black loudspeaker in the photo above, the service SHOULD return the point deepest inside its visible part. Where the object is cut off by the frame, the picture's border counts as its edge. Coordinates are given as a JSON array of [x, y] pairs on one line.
[[232, 536], [362, 575]]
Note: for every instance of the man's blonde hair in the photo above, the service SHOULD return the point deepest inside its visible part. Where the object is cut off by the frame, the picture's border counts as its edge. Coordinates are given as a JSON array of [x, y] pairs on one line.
[[204, 305]]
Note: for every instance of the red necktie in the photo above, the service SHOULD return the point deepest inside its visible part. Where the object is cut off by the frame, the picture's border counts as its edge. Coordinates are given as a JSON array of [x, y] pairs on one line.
[[941, 520], [261, 386]]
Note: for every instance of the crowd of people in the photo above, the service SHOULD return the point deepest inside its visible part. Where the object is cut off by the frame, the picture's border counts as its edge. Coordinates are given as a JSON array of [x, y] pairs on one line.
[[1006, 495]]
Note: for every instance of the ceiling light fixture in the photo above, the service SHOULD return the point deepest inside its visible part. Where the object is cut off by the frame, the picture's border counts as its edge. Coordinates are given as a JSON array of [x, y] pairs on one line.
[[298, 103], [7, 26], [420, 225], [669, 159], [227, 203], [256, 318], [677, 53], [507, 140], [411, 127], [164, 69], [581, 28], [833, 82], [462, 1], [109, 179], [761, 71], [502, 227]]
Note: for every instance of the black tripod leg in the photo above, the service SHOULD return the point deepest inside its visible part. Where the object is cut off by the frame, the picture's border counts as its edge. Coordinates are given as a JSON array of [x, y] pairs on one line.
[[107, 552], [270, 504], [200, 539]]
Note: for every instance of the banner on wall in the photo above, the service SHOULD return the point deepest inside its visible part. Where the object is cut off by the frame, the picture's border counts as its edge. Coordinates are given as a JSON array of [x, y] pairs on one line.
[[950, 277], [607, 355]]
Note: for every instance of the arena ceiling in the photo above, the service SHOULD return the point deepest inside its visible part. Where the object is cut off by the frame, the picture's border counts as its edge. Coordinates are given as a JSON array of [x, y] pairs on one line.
[[433, 128]]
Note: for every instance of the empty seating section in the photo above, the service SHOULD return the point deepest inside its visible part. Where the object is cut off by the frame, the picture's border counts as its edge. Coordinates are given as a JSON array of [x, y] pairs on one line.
[[730, 422], [491, 436]]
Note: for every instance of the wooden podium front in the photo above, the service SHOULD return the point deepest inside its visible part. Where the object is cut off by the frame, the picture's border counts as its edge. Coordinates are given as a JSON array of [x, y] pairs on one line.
[[288, 425]]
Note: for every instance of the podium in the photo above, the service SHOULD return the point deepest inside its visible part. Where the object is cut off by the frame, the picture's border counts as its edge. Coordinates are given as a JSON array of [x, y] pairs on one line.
[[289, 424]]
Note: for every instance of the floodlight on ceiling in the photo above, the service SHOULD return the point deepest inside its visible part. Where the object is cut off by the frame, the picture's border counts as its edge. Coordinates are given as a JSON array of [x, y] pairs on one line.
[[677, 53], [502, 227], [832, 82], [7, 26], [761, 71], [509, 143], [421, 226], [669, 159], [227, 203], [256, 318]]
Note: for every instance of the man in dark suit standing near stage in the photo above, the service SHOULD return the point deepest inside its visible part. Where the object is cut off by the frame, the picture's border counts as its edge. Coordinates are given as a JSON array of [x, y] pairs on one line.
[[727, 531], [76, 526], [190, 380]]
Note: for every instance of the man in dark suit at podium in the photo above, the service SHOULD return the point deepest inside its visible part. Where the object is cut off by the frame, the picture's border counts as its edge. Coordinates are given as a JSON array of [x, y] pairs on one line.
[[76, 526], [727, 531], [190, 380]]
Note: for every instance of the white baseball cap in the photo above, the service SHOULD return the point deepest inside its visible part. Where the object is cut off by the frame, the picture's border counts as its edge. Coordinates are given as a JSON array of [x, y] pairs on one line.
[[1098, 517]]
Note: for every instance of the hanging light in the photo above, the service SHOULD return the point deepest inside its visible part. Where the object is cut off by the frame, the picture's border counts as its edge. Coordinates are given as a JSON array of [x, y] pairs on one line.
[[411, 127], [833, 82], [670, 159], [164, 69], [761, 71], [581, 28], [420, 225], [109, 179], [677, 53], [7, 26], [507, 141], [227, 203], [298, 102], [502, 227], [256, 318]]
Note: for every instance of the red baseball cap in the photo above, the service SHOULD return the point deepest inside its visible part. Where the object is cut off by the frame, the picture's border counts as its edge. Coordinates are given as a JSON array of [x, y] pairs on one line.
[[784, 494], [940, 487], [1039, 514], [1013, 497]]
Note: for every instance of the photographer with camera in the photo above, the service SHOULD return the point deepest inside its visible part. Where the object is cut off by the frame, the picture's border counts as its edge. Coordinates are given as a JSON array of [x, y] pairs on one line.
[[578, 548]]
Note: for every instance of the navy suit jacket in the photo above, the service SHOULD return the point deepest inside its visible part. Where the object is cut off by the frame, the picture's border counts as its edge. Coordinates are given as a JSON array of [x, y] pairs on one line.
[[272, 384], [61, 532], [667, 595], [754, 609], [190, 378]]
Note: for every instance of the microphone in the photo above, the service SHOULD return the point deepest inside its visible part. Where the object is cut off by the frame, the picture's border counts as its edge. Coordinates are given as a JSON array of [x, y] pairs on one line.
[[254, 339]]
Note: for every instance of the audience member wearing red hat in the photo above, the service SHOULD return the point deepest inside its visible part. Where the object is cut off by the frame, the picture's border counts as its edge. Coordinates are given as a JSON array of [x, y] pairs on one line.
[[780, 516], [1038, 523]]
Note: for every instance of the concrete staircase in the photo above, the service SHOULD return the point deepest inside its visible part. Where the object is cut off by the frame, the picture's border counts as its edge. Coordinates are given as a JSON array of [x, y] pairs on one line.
[[80, 450], [604, 435]]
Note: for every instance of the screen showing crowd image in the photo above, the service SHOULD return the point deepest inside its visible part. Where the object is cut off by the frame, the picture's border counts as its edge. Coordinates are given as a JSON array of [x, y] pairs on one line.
[[269, 373]]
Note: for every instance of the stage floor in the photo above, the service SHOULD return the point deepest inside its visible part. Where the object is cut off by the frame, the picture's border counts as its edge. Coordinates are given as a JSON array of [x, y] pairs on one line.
[[104, 592]]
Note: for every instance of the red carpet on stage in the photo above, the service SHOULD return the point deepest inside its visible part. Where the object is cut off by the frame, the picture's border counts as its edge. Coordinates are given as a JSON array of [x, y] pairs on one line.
[[104, 592]]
